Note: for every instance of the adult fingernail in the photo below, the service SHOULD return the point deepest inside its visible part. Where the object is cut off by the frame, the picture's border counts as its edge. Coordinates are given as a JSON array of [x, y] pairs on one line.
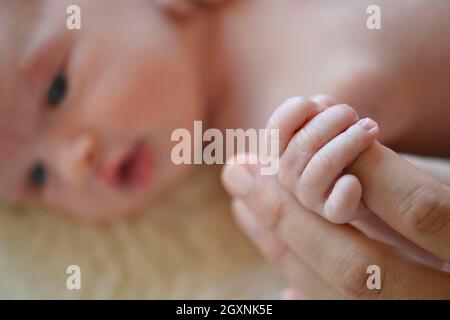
[[237, 180], [367, 124]]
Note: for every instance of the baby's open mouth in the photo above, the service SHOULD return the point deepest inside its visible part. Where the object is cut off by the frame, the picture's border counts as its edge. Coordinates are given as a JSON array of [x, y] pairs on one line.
[[132, 170]]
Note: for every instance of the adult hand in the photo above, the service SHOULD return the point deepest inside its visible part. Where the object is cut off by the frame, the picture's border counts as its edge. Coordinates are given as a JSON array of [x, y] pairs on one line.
[[325, 260]]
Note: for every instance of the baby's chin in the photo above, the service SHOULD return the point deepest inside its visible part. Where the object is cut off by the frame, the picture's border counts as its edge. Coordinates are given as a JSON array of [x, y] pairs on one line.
[[104, 206], [120, 205]]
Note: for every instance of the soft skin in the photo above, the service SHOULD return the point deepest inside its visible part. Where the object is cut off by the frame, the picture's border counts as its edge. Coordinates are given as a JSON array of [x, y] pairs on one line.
[[128, 71]]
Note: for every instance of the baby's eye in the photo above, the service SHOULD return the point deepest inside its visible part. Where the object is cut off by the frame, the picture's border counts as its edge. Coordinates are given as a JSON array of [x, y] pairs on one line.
[[57, 90], [37, 176]]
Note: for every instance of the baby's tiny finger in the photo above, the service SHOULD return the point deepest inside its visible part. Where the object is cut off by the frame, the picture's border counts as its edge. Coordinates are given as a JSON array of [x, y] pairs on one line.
[[309, 140], [290, 117], [328, 163]]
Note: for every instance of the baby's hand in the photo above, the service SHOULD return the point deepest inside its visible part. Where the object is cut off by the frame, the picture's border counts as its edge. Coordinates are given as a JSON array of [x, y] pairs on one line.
[[318, 140]]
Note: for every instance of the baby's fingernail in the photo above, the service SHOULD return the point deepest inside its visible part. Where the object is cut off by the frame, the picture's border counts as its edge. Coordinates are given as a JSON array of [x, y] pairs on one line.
[[367, 124], [237, 180]]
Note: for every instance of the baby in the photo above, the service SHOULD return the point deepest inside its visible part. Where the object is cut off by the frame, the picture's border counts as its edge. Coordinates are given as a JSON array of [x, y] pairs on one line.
[[86, 115]]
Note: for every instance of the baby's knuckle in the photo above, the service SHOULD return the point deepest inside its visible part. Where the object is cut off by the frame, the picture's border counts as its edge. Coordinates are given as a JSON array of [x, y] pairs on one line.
[[310, 106], [346, 111], [280, 117], [300, 100], [274, 122], [322, 162], [308, 140], [324, 99], [305, 104]]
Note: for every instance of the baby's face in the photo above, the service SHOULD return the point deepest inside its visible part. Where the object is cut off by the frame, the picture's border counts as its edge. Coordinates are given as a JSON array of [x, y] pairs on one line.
[[86, 115]]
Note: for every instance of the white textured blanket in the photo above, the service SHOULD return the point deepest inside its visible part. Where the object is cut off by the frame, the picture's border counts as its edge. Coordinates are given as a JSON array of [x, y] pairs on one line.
[[185, 246]]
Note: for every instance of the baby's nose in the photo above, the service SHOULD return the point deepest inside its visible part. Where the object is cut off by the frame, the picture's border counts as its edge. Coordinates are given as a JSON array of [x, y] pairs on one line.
[[76, 159]]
